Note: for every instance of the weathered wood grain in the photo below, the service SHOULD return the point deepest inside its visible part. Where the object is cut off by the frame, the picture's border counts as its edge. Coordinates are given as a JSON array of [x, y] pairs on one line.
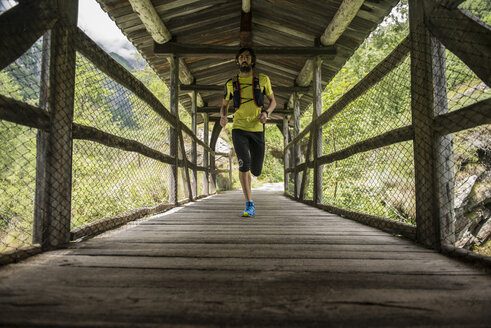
[[54, 166], [204, 265]]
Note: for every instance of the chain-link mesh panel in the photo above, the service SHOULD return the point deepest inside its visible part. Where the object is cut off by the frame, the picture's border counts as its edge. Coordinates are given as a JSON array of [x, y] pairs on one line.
[[378, 182], [104, 104], [17, 185], [199, 183], [19, 81], [309, 185], [384, 107], [109, 181]]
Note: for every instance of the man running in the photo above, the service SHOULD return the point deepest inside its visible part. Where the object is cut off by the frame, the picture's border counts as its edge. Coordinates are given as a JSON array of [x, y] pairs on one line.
[[247, 91]]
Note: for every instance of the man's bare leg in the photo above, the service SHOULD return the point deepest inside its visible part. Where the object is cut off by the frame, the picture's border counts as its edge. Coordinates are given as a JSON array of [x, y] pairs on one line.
[[245, 182]]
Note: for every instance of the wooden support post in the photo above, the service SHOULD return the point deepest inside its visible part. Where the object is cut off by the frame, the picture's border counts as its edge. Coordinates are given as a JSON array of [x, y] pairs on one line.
[[214, 138], [296, 148], [428, 89], [444, 146], [194, 149], [246, 28], [206, 162], [54, 149], [305, 175], [230, 170], [185, 176], [317, 132], [286, 158], [173, 133]]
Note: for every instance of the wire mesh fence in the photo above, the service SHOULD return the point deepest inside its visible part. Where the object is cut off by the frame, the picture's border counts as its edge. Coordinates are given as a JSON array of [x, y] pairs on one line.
[[108, 181], [20, 81], [468, 159], [416, 137], [378, 182], [386, 106], [17, 185], [71, 174], [451, 64]]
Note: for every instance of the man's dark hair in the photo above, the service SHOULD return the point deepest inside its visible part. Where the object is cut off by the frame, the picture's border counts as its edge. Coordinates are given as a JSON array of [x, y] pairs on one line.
[[253, 55]]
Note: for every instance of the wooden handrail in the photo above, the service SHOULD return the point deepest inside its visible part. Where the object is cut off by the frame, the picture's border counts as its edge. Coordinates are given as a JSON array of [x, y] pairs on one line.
[[468, 117], [113, 69], [383, 140], [372, 78]]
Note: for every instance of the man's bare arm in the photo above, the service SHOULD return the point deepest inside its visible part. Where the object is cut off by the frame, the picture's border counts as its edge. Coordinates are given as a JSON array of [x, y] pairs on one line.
[[263, 117]]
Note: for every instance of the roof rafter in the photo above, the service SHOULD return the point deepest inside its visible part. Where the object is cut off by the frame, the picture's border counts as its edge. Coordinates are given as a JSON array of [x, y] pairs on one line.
[[149, 17], [341, 20], [193, 50], [160, 34]]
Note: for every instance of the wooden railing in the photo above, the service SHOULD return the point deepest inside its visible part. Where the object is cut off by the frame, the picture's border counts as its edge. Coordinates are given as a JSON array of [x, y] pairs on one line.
[[431, 123], [54, 120]]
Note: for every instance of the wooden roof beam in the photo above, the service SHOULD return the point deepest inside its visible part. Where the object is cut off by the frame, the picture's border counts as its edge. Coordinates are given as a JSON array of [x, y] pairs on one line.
[[341, 20], [343, 17], [186, 77], [246, 6], [212, 51], [246, 24], [151, 19], [160, 34]]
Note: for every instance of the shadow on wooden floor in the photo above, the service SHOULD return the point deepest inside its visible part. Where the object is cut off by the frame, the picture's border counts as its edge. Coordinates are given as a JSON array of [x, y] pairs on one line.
[[203, 265]]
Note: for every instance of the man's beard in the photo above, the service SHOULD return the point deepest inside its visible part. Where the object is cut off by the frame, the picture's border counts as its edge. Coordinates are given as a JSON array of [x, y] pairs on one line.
[[245, 68]]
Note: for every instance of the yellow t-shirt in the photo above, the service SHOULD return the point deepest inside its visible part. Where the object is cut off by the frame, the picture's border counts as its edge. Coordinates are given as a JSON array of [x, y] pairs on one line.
[[246, 117]]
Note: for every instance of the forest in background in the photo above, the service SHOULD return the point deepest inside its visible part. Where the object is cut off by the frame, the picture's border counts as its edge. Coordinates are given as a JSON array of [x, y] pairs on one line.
[[100, 103]]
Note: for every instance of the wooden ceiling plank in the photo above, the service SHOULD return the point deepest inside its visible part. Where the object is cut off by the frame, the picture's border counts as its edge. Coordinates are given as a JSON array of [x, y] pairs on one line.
[[279, 27], [265, 36], [214, 14], [229, 20]]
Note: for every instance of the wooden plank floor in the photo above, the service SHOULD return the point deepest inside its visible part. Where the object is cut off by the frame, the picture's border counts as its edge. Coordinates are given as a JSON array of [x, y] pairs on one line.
[[203, 265]]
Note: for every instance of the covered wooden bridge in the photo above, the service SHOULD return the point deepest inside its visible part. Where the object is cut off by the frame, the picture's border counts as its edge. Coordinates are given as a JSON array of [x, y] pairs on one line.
[[106, 153]]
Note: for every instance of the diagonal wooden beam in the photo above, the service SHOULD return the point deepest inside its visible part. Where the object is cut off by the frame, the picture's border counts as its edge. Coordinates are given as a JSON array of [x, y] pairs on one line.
[[187, 78], [159, 32], [464, 35], [151, 19], [21, 26], [343, 17]]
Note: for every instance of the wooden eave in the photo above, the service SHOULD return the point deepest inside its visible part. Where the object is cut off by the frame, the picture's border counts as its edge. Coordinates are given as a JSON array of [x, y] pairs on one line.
[[278, 23]]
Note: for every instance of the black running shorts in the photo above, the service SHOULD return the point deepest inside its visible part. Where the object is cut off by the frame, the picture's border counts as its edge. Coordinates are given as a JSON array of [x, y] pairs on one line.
[[249, 147]]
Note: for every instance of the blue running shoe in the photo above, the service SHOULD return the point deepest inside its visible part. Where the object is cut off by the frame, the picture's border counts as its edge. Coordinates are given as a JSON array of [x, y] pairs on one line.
[[250, 209]]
